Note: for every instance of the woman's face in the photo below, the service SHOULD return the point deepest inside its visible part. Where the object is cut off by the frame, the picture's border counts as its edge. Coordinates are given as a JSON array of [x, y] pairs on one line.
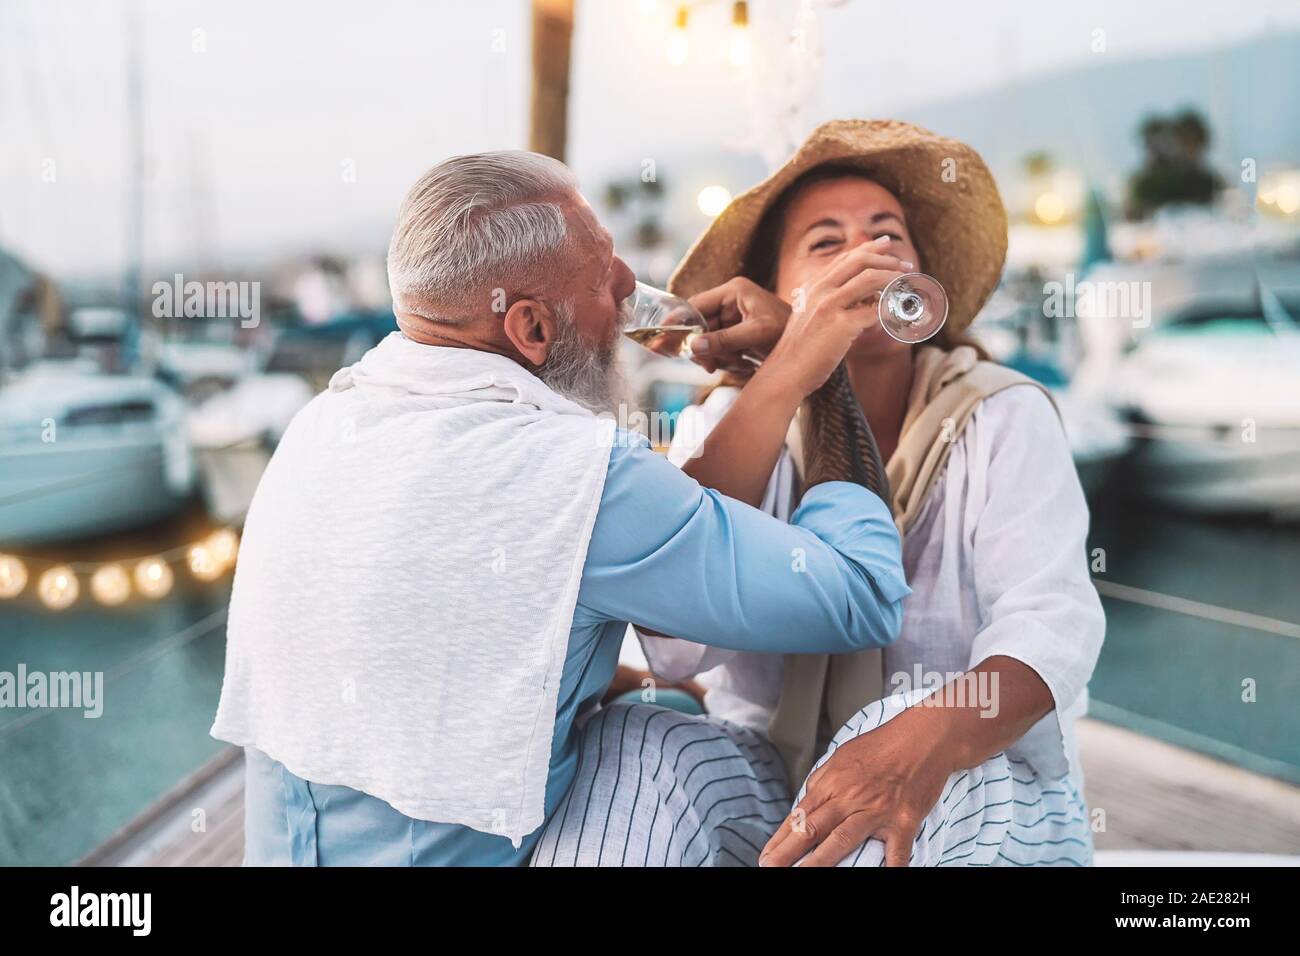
[[832, 216]]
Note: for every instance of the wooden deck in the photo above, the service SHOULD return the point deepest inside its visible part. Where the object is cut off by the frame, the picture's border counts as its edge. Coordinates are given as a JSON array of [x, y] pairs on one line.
[[1155, 797]]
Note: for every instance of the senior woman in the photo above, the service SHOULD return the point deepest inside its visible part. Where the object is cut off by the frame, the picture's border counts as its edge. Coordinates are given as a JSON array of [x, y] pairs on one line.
[[955, 745]]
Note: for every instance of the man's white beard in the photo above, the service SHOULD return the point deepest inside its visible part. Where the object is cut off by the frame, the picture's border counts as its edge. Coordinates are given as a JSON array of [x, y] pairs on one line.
[[590, 375]]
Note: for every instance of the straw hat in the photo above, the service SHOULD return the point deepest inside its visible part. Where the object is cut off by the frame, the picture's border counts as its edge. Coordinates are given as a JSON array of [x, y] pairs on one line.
[[954, 213]]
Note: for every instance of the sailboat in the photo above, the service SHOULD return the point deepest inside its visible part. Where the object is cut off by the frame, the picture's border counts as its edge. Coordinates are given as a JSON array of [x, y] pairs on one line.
[[83, 452]]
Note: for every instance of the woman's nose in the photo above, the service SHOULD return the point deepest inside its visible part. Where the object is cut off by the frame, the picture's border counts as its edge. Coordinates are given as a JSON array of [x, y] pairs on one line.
[[856, 238]]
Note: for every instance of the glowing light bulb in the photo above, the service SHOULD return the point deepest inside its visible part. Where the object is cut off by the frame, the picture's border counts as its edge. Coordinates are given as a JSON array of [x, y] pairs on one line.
[[1288, 198], [1049, 208], [58, 587], [203, 563], [738, 50], [153, 578], [713, 199], [224, 545], [13, 576], [110, 585], [679, 47]]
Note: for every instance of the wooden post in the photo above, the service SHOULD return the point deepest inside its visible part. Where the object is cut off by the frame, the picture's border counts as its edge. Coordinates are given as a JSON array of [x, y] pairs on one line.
[[552, 37]]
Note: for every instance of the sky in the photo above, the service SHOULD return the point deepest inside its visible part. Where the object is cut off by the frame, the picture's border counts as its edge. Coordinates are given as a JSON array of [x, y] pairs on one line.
[[278, 128]]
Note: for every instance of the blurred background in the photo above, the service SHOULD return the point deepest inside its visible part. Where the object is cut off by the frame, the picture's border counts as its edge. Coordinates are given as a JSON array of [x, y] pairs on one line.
[[195, 203]]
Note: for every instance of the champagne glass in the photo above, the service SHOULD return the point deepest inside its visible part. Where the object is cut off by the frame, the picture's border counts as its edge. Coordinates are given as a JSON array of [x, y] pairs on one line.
[[913, 307], [662, 322]]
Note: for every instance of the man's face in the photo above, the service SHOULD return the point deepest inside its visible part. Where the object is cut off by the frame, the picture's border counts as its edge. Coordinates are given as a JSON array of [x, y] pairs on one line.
[[601, 283], [582, 362]]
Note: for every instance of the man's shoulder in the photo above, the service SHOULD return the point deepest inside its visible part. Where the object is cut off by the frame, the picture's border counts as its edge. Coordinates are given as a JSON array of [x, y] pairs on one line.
[[628, 439], [641, 477]]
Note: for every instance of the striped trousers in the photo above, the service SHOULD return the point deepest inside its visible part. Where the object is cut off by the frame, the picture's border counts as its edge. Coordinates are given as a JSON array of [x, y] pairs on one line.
[[655, 787]]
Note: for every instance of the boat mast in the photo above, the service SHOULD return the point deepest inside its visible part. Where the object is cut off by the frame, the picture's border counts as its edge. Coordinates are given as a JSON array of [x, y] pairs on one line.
[[132, 300]]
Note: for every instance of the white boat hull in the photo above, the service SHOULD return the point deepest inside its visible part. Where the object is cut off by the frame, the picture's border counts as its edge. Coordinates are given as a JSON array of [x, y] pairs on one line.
[[1222, 476], [76, 488]]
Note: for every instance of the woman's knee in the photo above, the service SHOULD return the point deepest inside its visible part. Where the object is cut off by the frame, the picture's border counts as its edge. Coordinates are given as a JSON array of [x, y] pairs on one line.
[[648, 731]]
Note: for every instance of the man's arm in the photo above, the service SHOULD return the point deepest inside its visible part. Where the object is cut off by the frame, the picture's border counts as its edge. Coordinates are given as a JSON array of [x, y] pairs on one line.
[[679, 559]]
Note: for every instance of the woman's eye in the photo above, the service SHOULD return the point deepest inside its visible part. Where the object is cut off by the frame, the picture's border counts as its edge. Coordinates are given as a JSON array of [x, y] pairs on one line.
[[824, 244], [893, 237]]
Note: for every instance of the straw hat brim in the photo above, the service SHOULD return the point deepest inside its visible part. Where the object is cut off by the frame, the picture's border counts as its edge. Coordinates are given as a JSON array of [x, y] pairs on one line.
[[954, 212]]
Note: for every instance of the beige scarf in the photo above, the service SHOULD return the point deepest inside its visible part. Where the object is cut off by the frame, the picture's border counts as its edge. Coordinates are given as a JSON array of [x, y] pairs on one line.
[[819, 692]]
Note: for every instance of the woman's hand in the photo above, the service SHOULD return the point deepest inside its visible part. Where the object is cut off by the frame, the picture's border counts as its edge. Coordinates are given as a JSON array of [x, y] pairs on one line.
[[885, 782], [881, 784], [829, 314], [633, 678], [749, 319]]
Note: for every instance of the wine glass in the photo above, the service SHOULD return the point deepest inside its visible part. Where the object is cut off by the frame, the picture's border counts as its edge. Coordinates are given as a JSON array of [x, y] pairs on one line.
[[662, 322], [913, 307]]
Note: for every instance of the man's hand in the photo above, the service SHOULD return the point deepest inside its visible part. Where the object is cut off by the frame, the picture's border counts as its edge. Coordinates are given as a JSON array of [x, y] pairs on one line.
[[881, 784]]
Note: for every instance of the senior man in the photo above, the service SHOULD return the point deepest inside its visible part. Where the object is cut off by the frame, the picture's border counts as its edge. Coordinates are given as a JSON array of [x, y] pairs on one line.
[[445, 551]]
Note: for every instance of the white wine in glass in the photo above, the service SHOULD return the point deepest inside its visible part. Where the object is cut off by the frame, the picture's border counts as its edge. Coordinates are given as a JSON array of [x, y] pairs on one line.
[[662, 322]]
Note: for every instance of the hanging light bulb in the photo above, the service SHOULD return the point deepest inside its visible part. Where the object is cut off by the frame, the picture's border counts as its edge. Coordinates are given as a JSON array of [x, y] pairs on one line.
[[224, 545], [153, 578], [679, 46], [203, 563], [57, 587], [110, 585], [739, 50], [13, 576]]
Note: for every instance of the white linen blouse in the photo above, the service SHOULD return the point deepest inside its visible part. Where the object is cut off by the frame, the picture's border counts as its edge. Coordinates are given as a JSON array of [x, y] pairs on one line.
[[996, 561]]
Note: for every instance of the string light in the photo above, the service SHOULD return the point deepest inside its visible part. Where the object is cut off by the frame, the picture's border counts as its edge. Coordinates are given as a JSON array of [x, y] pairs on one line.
[[58, 587], [110, 585], [203, 563], [224, 544], [13, 576], [739, 44], [738, 50], [153, 578], [679, 47]]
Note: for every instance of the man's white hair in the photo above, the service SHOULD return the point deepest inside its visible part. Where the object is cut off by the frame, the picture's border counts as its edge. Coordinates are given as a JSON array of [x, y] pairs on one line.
[[476, 224]]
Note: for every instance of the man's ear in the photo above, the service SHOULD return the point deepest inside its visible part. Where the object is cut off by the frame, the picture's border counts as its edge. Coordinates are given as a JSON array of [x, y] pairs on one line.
[[531, 328]]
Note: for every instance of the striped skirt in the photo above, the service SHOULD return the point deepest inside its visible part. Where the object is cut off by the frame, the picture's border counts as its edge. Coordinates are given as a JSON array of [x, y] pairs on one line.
[[655, 787]]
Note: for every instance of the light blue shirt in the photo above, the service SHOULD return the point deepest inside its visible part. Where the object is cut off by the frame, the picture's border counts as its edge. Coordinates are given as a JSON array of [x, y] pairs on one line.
[[665, 554]]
